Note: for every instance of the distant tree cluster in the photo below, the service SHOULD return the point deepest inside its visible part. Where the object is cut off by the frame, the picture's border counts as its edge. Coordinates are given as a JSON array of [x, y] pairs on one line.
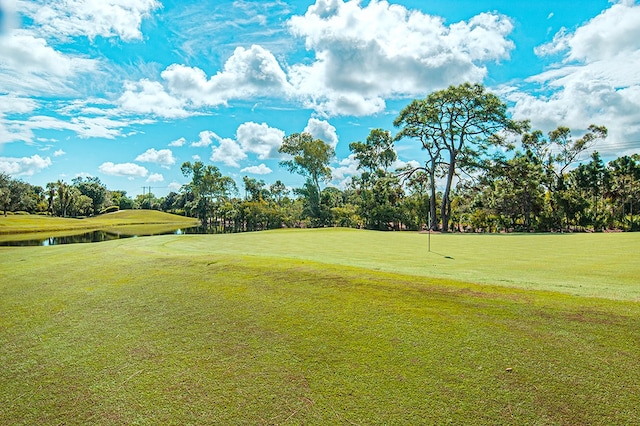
[[481, 172], [81, 197]]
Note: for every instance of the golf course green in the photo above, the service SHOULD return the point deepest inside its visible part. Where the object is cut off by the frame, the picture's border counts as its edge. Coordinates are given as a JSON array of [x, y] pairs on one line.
[[323, 326]]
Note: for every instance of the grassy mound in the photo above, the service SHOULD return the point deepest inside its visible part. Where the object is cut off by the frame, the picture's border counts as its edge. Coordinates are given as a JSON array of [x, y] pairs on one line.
[[17, 224], [279, 328]]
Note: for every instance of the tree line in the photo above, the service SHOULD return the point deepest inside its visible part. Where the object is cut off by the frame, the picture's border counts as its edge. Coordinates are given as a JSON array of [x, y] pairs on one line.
[[481, 172]]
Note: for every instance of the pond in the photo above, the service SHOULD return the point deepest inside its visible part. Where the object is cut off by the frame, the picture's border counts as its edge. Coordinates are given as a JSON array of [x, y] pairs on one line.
[[44, 239]]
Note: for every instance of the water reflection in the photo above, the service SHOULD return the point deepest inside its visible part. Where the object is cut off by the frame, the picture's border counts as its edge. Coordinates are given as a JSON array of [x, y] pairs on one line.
[[87, 237]]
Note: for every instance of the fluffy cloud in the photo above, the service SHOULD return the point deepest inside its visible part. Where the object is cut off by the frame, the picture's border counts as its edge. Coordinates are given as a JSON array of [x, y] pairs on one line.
[[91, 18], [250, 138], [155, 178], [178, 142], [597, 80], [364, 54], [347, 168], [262, 169], [130, 170], [321, 129], [21, 50], [246, 74], [259, 139], [164, 157], [399, 164], [150, 97], [25, 166], [228, 152], [30, 65], [59, 153], [175, 186], [206, 139], [604, 37]]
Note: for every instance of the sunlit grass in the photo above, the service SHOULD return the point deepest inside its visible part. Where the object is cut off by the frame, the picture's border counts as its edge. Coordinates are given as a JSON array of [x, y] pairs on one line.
[[308, 327], [600, 265]]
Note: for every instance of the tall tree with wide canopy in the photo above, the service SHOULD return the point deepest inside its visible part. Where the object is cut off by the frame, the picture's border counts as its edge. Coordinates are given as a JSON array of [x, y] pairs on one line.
[[456, 126], [208, 186], [376, 152], [93, 188], [65, 197], [310, 158], [378, 190], [412, 123]]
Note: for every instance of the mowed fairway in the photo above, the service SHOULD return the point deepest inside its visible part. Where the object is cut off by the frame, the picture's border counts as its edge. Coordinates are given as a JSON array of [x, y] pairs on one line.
[[323, 327]]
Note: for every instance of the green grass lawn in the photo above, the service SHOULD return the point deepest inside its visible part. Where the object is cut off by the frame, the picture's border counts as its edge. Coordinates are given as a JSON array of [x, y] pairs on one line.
[[322, 327], [600, 265]]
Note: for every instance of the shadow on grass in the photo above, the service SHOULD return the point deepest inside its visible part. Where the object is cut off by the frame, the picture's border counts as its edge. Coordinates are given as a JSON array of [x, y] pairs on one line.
[[443, 255]]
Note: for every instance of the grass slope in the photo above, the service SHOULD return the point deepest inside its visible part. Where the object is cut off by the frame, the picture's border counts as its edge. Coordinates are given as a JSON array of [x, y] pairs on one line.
[[18, 224], [600, 265], [234, 330]]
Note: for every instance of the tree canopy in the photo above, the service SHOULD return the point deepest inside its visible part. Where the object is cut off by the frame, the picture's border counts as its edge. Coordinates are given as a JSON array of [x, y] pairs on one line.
[[485, 171], [455, 126]]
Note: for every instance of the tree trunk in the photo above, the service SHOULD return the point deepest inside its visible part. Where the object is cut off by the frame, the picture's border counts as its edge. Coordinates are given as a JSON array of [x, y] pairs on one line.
[[444, 207], [433, 223]]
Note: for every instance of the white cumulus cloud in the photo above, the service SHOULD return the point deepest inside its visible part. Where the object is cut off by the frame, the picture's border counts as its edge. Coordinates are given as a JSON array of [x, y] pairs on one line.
[[250, 138], [596, 82], [259, 139], [30, 65], [164, 157], [321, 129], [347, 168], [228, 152], [175, 186], [262, 169], [367, 53], [155, 178], [150, 97], [178, 142], [248, 73], [24, 166], [130, 170], [206, 139]]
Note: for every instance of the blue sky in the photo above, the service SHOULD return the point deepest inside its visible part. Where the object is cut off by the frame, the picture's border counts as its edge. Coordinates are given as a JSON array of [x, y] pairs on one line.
[[127, 91]]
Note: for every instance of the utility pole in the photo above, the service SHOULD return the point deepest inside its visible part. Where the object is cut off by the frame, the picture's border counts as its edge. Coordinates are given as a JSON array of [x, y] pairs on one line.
[[144, 188]]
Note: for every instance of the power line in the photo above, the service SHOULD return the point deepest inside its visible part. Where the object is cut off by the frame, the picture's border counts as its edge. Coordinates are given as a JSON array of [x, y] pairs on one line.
[[144, 188]]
